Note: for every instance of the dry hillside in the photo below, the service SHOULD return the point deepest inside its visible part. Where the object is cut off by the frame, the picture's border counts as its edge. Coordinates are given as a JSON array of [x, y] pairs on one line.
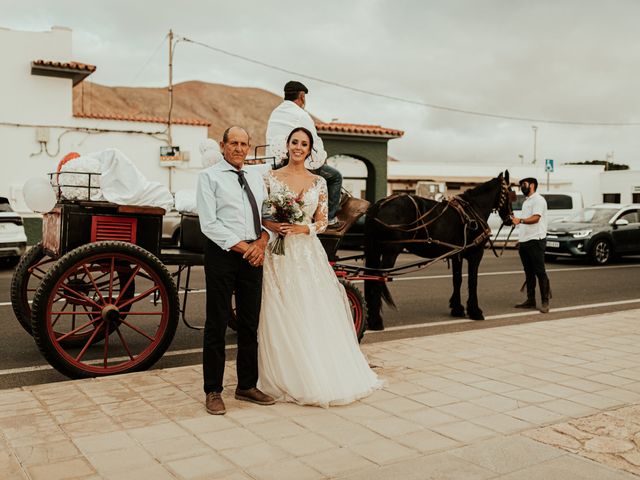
[[222, 105]]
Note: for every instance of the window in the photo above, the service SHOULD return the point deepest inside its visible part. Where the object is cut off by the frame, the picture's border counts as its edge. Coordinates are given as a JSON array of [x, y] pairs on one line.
[[630, 216], [635, 198], [4, 205], [611, 198], [557, 201]]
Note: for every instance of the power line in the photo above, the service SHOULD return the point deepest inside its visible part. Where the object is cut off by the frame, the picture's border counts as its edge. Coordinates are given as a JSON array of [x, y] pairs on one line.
[[155, 52], [406, 100]]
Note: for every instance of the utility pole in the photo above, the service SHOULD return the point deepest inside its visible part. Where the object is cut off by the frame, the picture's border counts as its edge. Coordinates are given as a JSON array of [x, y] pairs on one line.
[[535, 142], [169, 136], [170, 139]]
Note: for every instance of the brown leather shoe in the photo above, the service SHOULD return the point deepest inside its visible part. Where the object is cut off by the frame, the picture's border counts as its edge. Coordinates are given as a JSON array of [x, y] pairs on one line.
[[254, 395], [545, 307], [215, 405]]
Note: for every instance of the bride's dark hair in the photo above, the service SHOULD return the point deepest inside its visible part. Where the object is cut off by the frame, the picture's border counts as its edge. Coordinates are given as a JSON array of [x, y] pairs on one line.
[[307, 132]]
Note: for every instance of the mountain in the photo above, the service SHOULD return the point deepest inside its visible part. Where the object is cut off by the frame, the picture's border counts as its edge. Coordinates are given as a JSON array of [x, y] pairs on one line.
[[222, 105]]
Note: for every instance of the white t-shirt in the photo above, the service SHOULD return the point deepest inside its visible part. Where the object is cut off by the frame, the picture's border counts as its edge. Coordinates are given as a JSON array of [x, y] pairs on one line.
[[284, 118], [533, 205]]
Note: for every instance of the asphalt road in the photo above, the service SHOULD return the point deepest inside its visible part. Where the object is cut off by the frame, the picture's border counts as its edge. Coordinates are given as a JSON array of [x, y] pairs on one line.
[[422, 297]]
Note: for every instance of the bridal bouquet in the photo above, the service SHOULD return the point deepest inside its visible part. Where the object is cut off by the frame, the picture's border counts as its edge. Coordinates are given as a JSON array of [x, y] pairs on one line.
[[284, 208]]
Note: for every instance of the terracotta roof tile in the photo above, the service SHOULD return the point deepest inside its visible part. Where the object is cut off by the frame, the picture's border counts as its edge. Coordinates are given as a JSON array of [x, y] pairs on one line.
[[68, 65], [146, 119], [356, 129]]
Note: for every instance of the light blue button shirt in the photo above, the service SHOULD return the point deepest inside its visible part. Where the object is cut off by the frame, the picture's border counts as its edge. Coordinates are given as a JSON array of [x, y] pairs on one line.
[[223, 206]]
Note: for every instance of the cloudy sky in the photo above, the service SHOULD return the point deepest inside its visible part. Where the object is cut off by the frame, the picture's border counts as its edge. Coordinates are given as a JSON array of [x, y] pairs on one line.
[[555, 60]]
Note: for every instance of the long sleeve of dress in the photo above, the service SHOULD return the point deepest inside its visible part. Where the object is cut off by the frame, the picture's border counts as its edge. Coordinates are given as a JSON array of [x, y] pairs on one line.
[[321, 215]]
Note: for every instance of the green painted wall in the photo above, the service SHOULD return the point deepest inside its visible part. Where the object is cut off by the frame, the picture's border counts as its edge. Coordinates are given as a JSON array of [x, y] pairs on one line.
[[33, 229], [372, 151]]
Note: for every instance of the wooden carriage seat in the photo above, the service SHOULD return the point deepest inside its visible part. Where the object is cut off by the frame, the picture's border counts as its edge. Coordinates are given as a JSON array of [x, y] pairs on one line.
[[351, 209], [191, 247]]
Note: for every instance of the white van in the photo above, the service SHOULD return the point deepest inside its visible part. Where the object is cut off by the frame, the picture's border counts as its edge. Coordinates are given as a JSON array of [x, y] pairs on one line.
[[560, 205]]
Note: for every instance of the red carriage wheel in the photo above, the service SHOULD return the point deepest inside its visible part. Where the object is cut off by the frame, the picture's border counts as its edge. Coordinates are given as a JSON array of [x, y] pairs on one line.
[[358, 307], [126, 329], [32, 268], [29, 273]]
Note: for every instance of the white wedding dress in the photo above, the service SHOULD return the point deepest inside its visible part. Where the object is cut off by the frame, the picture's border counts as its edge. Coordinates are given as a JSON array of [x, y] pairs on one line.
[[308, 351]]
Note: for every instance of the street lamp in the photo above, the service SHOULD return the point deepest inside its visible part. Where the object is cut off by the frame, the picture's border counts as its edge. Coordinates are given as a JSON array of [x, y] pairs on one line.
[[535, 142]]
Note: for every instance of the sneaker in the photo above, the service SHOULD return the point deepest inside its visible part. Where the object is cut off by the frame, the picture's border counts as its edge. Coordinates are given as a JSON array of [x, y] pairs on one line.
[[214, 404]]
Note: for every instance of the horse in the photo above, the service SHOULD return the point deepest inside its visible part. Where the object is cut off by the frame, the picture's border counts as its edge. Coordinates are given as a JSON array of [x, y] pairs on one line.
[[453, 229]]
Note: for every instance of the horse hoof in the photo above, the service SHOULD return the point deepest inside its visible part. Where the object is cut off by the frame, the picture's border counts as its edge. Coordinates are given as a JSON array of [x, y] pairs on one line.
[[458, 313], [377, 328], [477, 317]]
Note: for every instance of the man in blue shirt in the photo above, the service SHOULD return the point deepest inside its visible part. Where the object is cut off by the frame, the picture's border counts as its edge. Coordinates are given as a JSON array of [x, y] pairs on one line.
[[229, 200]]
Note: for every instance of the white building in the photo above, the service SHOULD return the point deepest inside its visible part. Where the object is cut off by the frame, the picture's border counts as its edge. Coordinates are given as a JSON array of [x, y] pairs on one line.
[[595, 185], [38, 127]]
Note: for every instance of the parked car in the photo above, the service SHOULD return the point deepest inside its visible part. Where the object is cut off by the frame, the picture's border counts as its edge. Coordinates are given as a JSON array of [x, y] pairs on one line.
[[171, 229], [598, 233], [13, 239], [560, 205]]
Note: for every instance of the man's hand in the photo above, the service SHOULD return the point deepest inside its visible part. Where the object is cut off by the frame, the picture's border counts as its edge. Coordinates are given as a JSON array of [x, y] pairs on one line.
[[254, 253], [515, 220]]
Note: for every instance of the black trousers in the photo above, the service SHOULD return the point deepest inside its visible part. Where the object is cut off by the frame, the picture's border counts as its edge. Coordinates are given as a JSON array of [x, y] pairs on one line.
[[225, 273], [532, 257]]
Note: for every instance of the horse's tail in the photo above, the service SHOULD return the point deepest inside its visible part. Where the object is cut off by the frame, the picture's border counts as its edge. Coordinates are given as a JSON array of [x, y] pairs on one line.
[[387, 297]]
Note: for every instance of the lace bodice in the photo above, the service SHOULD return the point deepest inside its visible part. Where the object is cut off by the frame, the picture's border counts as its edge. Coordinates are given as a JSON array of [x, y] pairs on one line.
[[315, 200]]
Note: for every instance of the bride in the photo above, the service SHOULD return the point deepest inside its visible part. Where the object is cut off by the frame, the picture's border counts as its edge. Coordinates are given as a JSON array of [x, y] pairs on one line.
[[308, 352]]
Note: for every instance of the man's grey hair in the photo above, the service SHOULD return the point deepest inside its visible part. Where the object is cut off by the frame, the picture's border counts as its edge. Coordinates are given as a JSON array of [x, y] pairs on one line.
[[225, 135]]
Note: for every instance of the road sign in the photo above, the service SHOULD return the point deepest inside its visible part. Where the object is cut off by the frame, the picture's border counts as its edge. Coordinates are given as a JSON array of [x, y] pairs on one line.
[[548, 165]]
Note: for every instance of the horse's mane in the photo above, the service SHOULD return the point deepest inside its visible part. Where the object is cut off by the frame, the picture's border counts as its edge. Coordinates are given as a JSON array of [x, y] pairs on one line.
[[480, 189]]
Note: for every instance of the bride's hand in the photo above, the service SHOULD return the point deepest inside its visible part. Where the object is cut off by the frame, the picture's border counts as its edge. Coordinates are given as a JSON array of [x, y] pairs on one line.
[[274, 226], [292, 229]]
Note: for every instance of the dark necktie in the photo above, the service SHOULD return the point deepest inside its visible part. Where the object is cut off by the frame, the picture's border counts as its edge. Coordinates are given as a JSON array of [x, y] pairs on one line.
[[252, 200]]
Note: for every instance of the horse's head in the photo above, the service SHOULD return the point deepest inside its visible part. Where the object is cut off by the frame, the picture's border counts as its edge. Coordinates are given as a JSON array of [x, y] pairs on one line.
[[505, 198]]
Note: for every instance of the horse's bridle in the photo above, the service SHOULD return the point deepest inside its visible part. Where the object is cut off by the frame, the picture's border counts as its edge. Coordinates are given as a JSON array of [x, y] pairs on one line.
[[506, 195]]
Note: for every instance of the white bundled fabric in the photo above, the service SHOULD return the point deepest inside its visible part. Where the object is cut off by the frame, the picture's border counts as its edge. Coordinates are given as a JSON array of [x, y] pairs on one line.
[[210, 153], [186, 201], [120, 181]]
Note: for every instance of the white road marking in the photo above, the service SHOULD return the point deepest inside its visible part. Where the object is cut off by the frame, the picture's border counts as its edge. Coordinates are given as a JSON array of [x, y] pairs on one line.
[[435, 277], [513, 272], [174, 353]]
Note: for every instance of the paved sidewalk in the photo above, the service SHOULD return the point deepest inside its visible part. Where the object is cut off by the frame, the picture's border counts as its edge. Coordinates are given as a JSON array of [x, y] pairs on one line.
[[483, 404]]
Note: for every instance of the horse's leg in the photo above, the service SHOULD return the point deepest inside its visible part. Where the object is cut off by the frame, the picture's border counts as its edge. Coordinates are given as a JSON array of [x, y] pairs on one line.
[[376, 291], [473, 261], [457, 310], [372, 288]]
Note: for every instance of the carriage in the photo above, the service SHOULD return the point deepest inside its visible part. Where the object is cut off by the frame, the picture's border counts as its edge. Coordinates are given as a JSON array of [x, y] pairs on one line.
[[98, 296]]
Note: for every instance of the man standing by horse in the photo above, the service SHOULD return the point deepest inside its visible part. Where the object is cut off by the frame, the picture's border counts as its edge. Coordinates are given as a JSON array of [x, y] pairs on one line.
[[532, 236]]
